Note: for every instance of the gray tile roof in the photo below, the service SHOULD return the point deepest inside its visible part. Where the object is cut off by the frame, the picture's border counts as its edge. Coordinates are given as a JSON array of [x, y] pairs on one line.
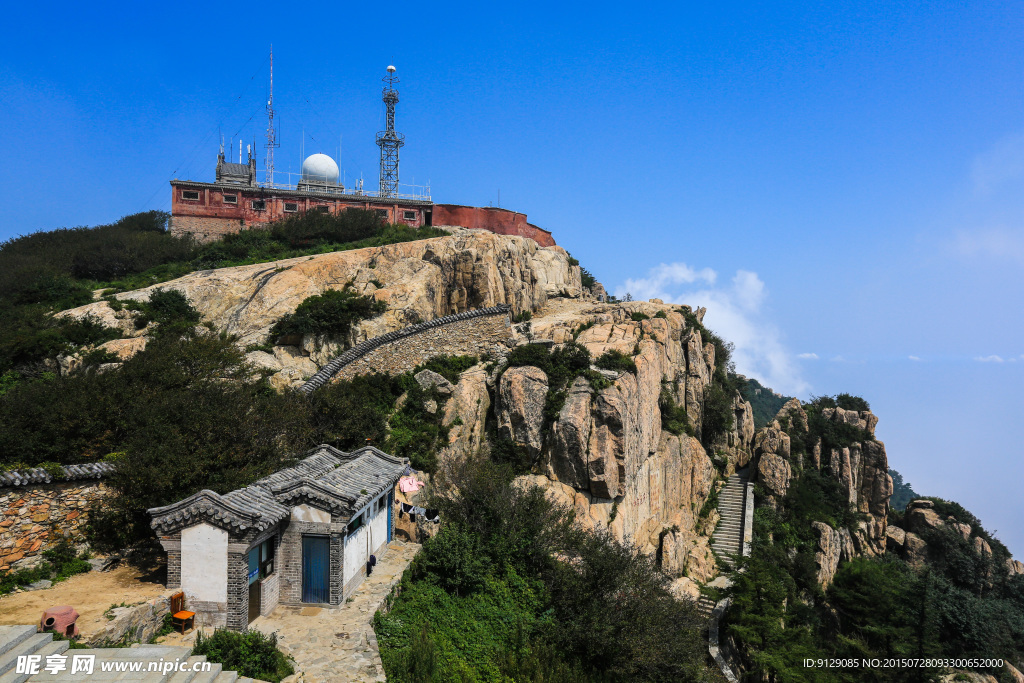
[[326, 478], [37, 475]]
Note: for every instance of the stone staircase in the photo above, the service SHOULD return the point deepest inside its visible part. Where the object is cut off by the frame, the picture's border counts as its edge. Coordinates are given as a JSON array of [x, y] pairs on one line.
[[23, 640], [727, 540]]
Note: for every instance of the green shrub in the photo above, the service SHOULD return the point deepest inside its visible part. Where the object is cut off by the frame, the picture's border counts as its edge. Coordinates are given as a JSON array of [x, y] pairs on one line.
[[717, 417], [252, 653], [851, 402], [331, 313], [661, 314], [523, 316], [616, 360], [637, 316]]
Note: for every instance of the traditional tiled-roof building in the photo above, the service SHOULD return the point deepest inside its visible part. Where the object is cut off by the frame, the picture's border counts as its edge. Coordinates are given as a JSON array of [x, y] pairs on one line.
[[299, 536]]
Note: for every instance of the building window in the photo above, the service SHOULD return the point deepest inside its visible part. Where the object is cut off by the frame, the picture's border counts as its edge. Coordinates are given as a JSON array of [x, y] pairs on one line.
[[322, 209], [410, 215], [266, 558], [190, 195], [231, 199], [291, 207], [355, 524], [259, 205], [382, 213]]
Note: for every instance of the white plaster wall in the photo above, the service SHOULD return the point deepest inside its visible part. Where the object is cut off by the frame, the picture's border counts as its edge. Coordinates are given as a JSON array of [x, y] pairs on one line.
[[379, 526], [367, 538], [355, 553], [305, 513], [204, 563]]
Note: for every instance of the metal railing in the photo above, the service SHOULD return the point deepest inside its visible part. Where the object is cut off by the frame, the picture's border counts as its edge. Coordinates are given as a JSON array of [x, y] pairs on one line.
[[295, 181]]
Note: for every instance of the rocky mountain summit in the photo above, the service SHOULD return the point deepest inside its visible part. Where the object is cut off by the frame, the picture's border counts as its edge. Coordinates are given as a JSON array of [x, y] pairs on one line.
[[605, 448]]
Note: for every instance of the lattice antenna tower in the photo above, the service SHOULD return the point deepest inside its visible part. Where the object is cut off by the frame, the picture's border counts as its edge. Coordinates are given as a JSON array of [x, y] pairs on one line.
[[388, 140], [272, 141]]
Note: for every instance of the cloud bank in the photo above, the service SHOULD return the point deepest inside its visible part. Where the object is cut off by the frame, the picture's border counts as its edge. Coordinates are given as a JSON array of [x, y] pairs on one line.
[[735, 312]]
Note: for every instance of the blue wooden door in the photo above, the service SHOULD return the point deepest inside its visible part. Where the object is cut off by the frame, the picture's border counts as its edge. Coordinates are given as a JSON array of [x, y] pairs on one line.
[[316, 567]]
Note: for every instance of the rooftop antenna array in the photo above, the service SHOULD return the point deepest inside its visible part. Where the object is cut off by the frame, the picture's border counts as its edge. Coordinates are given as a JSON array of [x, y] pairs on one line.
[[388, 140], [272, 141]]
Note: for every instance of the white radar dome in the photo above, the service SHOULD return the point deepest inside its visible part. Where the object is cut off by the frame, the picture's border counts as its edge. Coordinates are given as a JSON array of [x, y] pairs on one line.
[[319, 168]]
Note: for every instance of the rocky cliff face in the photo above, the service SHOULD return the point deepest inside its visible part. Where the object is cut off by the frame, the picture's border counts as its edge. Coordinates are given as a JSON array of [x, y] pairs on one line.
[[605, 454], [862, 470]]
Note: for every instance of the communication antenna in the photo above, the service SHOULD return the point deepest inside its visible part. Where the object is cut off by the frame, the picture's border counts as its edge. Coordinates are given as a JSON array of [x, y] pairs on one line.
[[272, 142], [388, 140]]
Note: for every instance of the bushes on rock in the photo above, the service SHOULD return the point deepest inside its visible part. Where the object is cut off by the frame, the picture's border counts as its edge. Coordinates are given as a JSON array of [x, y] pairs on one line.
[[332, 313], [616, 360]]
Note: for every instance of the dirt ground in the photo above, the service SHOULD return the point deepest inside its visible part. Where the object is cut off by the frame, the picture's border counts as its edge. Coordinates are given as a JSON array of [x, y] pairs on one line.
[[91, 594]]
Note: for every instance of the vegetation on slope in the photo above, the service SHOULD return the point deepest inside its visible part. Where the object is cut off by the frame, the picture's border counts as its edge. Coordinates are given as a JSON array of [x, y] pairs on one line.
[[764, 402], [51, 271], [902, 492], [512, 590]]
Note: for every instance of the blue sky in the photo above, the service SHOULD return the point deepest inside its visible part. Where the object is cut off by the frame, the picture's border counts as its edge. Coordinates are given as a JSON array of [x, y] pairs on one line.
[[842, 185]]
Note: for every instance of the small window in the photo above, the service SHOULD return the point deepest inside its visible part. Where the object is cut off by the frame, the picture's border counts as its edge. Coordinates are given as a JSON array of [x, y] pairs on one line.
[[355, 524], [382, 213], [259, 205], [291, 207], [190, 195], [410, 215], [231, 199], [266, 558], [322, 209]]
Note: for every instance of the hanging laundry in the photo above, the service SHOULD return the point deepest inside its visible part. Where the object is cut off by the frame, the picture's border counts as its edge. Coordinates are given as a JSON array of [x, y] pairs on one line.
[[432, 515], [419, 511], [410, 484]]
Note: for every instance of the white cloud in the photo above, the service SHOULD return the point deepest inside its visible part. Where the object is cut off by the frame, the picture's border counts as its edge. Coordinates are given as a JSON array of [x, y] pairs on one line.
[[1003, 163], [661, 278], [837, 359], [734, 312], [998, 243], [914, 358], [989, 359], [808, 356]]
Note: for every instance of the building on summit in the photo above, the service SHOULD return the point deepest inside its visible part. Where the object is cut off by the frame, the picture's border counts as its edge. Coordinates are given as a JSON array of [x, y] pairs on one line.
[[301, 536], [237, 200]]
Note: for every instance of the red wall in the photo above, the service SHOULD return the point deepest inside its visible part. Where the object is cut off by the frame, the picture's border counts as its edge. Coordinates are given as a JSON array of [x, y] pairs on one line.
[[500, 221], [211, 204]]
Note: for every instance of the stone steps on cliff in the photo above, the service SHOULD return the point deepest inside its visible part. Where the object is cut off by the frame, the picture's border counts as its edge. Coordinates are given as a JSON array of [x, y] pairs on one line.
[[727, 539]]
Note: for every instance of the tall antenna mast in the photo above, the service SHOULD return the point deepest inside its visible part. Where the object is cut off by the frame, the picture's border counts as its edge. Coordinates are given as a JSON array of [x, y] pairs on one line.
[[388, 140], [272, 142]]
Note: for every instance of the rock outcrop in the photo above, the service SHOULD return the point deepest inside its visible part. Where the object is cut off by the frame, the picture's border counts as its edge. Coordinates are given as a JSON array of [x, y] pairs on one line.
[[418, 281], [862, 470]]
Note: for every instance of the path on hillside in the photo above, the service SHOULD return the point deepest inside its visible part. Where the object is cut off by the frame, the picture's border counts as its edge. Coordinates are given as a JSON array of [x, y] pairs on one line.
[[332, 644]]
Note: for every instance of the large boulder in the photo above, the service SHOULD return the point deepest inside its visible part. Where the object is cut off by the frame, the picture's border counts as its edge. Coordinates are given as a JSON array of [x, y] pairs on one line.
[[921, 516], [774, 472], [520, 408]]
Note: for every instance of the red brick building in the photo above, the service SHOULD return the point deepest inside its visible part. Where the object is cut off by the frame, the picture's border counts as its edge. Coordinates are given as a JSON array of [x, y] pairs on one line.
[[236, 202]]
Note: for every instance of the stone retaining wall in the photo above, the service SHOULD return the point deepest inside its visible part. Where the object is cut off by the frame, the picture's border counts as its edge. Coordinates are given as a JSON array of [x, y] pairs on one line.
[[37, 510], [485, 330]]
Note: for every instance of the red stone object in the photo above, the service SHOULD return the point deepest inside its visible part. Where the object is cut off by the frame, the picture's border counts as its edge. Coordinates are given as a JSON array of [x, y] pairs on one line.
[[60, 619]]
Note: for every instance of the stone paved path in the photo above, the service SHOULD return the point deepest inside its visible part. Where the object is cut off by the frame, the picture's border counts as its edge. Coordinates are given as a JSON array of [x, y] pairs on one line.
[[337, 644]]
